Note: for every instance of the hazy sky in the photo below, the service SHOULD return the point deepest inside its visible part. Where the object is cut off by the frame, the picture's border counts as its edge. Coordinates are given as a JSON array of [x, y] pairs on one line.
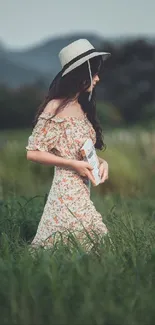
[[27, 22]]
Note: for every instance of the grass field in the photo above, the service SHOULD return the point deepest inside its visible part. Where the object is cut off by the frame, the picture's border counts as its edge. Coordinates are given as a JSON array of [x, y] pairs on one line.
[[130, 154], [113, 285]]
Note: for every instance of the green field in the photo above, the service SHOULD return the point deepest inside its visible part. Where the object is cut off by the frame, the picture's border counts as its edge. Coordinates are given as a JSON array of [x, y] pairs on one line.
[[130, 154], [113, 285]]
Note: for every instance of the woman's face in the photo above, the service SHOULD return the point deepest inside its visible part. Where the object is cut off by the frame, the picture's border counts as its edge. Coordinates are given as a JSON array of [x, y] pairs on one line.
[[95, 79]]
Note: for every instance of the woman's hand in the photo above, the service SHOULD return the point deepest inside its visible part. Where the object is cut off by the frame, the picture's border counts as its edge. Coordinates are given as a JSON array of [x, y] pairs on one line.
[[103, 170], [84, 169]]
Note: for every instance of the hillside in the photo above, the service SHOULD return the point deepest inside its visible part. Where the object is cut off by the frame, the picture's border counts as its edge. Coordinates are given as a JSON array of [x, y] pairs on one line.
[[26, 66]]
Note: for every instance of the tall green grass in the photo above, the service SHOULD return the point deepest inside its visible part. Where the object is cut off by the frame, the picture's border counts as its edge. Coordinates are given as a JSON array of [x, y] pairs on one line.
[[66, 285], [111, 285]]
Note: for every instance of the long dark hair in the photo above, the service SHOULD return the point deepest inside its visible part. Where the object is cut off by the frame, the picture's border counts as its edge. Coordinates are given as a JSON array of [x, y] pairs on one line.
[[68, 86]]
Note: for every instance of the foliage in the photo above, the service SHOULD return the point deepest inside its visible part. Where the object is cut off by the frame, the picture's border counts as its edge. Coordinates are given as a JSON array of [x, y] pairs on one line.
[[126, 90], [112, 285], [17, 107], [129, 77]]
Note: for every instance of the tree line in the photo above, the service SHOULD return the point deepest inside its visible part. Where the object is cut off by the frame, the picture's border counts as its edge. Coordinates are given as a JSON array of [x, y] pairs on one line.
[[126, 88]]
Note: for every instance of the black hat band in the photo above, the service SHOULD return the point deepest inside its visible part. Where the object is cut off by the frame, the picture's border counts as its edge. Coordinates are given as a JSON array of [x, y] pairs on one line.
[[66, 66]]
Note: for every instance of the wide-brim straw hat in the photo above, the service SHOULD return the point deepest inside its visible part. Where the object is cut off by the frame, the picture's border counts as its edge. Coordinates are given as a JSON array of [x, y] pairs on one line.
[[76, 53]]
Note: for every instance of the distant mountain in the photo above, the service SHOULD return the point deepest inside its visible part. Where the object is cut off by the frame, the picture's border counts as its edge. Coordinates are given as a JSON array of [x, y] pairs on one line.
[[15, 75], [41, 61]]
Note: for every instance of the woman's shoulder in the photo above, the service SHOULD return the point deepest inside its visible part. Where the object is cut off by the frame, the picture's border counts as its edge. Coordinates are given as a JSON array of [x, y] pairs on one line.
[[51, 106], [49, 112]]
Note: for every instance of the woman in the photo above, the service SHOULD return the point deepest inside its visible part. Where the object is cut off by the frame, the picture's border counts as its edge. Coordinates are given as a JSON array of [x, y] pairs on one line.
[[65, 120]]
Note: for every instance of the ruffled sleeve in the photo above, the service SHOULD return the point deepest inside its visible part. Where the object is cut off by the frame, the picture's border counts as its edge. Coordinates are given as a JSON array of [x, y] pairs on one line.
[[45, 134]]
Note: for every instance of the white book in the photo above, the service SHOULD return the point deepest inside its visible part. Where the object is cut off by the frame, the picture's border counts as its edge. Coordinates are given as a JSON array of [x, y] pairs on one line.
[[89, 154]]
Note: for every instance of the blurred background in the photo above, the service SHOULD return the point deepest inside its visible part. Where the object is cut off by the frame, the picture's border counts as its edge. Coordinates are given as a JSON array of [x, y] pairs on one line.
[[31, 35], [114, 284]]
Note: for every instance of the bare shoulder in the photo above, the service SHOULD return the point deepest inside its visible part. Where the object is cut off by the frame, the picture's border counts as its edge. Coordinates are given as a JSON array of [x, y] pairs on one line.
[[52, 106]]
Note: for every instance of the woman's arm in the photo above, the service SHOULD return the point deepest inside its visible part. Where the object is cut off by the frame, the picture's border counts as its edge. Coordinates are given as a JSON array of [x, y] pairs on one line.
[[48, 158]]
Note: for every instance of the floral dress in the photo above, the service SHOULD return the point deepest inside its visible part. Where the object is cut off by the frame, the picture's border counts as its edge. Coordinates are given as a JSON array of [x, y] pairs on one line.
[[68, 209]]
